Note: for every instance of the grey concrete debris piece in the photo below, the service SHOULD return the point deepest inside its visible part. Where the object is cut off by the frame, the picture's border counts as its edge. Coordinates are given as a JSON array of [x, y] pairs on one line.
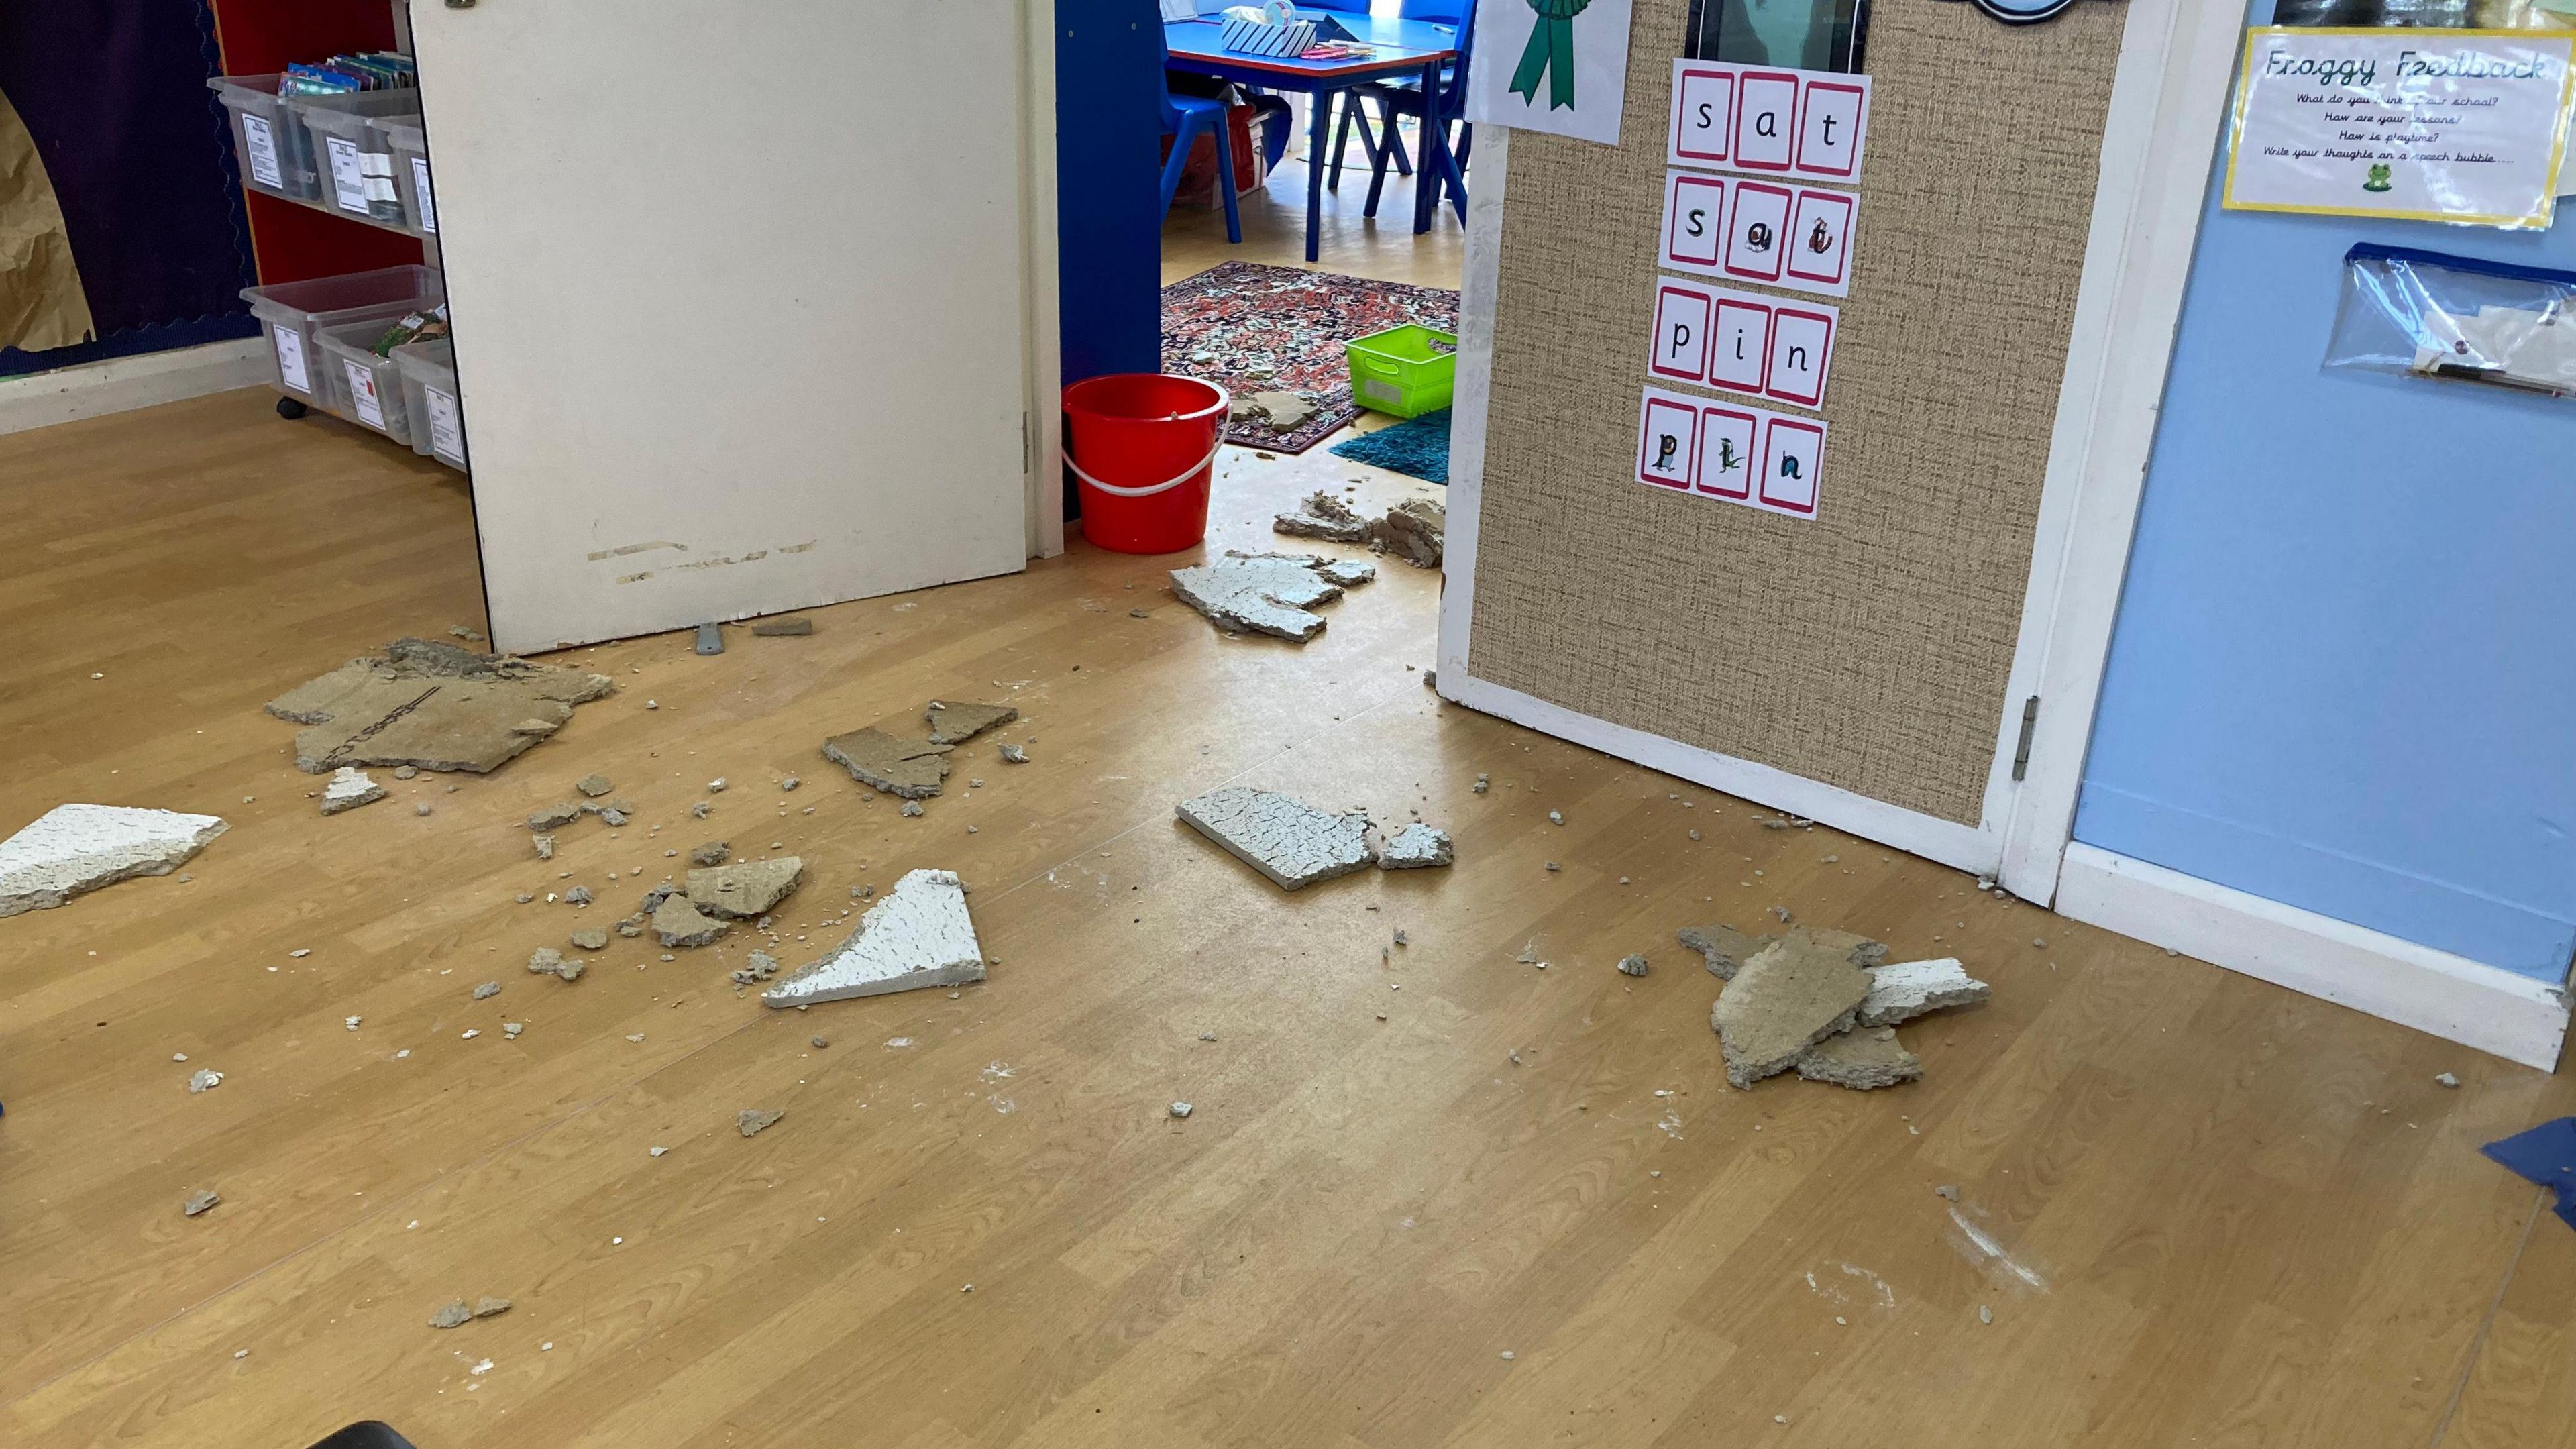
[[1789, 996], [545, 960], [452, 1314], [555, 817], [571, 970], [751, 1121], [632, 926], [545, 845], [1724, 948], [204, 1079], [432, 705], [1858, 949], [593, 786], [613, 816], [1949, 1190], [1632, 965], [1015, 755], [1910, 989], [1483, 783], [2446, 1079], [654, 898], [787, 628], [790, 783], [714, 852], [678, 923], [1181, 1109], [420, 809], [591, 940], [758, 968], [579, 896], [200, 1201], [912, 769], [1267, 593], [511, 1029], [1863, 1060], [710, 638], [348, 789], [701, 809], [919, 935], [1284, 838], [1322, 515], [487, 990], [71, 849], [1416, 847], [406, 772], [490, 1307], [954, 723], [1414, 531], [744, 889], [1284, 411], [913, 809]]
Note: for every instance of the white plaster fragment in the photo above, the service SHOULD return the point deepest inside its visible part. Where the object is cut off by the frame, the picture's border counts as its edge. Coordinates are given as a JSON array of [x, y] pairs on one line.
[[1268, 593], [349, 788], [1280, 836], [1908, 989], [75, 848], [919, 935], [1416, 847]]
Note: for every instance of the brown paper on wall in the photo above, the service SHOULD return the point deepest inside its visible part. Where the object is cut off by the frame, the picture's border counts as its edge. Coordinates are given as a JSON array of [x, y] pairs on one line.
[[1870, 647], [41, 301]]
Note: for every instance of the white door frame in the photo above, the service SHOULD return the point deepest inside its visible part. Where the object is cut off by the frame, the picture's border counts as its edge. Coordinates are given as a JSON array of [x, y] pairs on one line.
[[2167, 98], [1044, 365]]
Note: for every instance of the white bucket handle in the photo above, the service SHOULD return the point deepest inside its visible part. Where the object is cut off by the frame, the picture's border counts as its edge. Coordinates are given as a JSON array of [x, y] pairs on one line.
[[1224, 411]]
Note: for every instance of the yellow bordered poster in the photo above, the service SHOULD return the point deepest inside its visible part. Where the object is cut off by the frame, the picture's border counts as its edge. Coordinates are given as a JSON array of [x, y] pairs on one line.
[[2463, 126]]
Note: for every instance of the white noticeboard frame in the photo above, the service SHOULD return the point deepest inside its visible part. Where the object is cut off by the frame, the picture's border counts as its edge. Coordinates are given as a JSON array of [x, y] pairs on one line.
[[2462, 126], [1559, 66]]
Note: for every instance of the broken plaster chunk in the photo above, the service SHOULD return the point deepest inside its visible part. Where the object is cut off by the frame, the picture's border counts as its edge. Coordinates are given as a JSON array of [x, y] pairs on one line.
[[555, 817], [545, 845], [1267, 593], [678, 923], [1724, 948], [487, 990], [488, 1306], [1284, 411], [545, 960], [745, 889], [570, 971], [1321, 515], [911, 769], [591, 940], [1414, 531], [752, 1121], [451, 1314], [1181, 1109], [579, 896], [348, 789], [593, 786], [1284, 838], [788, 628], [2446, 1079], [701, 809], [75, 848], [714, 852], [913, 809], [954, 723], [1789, 996], [1015, 755], [1864, 1060], [200, 1201], [1858, 949], [204, 1079], [430, 704], [1910, 989], [1632, 965], [1416, 847], [919, 935]]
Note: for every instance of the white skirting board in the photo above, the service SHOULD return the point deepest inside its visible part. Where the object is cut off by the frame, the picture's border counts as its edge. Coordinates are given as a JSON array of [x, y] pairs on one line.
[[94, 389], [2433, 991]]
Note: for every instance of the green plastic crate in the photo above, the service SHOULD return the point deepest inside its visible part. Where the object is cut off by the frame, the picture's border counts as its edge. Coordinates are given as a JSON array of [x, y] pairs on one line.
[[1406, 371]]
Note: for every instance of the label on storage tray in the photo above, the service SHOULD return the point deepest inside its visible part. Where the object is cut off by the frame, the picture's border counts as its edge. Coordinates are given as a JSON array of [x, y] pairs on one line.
[[362, 394], [420, 189], [262, 143], [348, 179], [378, 167], [290, 359], [446, 429]]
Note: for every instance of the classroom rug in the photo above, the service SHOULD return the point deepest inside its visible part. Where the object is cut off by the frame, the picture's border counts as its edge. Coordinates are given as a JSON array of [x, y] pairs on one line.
[[1251, 328], [1416, 447]]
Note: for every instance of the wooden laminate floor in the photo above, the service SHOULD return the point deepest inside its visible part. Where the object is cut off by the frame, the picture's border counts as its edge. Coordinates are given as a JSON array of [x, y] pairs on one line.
[[1428, 1195]]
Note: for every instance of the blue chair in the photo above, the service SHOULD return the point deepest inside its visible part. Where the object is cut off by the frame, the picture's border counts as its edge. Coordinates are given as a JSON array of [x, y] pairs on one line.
[[1445, 107], [1185, 119]]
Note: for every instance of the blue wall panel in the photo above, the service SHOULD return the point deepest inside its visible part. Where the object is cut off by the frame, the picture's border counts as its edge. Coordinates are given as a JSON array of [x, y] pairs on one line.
[[1109, 223]]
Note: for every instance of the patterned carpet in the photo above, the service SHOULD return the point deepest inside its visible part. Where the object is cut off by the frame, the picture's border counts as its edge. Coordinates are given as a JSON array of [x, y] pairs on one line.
[[1251, 328]]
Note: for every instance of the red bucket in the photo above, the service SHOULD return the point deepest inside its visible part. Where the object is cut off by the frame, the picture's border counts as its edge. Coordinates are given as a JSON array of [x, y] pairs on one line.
[[1143, 446]]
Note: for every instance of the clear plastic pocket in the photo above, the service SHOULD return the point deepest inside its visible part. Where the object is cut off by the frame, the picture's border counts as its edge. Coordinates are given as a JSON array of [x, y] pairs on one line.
[[2456, 319]]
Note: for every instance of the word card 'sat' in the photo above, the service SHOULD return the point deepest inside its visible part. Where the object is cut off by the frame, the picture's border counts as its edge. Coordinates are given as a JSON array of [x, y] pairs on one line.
[[1774, 233], [1732, 452], [1768, 347], [1804, 125]]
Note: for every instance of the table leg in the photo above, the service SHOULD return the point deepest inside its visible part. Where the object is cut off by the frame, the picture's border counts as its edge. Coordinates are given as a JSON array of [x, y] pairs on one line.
[[1320, 107], [1434, 148]]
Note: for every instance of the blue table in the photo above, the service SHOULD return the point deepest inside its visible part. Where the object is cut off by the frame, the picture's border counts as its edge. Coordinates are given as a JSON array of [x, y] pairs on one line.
[[1403, 47]]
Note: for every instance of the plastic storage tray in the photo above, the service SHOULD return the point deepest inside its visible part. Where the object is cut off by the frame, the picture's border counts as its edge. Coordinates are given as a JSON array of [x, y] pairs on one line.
[[1406, 371], [429, 397], [410, 147], [368, 388], [355, 161], [295, 314], [268, 137]]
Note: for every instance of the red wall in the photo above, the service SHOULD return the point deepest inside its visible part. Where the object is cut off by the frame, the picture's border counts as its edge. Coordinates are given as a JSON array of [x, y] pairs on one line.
[[294, 242]]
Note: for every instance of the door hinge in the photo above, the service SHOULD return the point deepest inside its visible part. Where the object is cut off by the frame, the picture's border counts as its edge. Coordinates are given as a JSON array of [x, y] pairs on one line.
[[2029, 722]]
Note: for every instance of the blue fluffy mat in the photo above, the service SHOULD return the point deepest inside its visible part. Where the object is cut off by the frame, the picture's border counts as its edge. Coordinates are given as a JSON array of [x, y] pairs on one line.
[[1416, 447]]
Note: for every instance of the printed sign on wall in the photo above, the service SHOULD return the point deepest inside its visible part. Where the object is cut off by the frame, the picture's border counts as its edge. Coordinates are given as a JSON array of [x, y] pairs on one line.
[[1730, 451], [1559, 66], [1806, 125], [1769, 347], [1745, 230], [2462, 126]]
